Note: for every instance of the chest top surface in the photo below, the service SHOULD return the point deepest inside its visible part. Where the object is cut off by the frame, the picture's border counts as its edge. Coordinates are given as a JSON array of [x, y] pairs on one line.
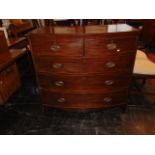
[[87, 30]]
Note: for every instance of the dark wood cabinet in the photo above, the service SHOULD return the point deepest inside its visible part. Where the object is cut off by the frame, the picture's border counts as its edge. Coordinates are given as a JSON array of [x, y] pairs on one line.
[[9, 75], [84, 67], [9, 81]]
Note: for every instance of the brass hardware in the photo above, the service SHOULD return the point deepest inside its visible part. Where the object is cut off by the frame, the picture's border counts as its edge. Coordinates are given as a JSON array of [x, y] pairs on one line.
[[9, 70], [118, 50], [59, 83], [109, 82], [111, 46], [55, 48], [107, 99], [110, 64], [61, 100], [57, 65]]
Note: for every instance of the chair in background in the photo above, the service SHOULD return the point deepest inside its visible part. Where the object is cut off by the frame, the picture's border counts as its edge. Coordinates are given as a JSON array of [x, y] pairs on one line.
[[144, 69], [19, 27], [60, 22]]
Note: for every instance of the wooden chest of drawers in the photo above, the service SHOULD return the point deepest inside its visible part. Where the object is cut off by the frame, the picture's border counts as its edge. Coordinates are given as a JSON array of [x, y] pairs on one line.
[[84, 67]]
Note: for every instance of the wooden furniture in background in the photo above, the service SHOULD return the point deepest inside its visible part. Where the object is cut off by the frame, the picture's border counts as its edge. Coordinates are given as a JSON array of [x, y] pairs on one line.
[[148, 32], [3, 43], [144, 69], [60, 22], [17, 43], [9, 75], [84, 67], [19, 27], [9, 81], [24, 63]]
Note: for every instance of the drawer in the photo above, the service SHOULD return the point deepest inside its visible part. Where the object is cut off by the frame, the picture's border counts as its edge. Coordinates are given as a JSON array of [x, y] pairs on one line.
[[57, 46], [83, 65], [115, 46], [110, 64], [9, 81], [83, 101], [85, 83], [59, 65]]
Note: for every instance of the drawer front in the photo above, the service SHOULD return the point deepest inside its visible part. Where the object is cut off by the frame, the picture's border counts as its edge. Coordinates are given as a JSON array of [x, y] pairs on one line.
[[115, 46], [83, 65], [85, 83], [46, 45], [9, 81], [59, 65], [120, 64], [82, 101]]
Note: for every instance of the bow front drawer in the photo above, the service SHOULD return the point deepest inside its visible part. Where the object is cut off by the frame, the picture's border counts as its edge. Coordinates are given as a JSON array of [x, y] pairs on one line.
[[57, 46], [85, 83], [83, 65], [109, 46], [62, 100]]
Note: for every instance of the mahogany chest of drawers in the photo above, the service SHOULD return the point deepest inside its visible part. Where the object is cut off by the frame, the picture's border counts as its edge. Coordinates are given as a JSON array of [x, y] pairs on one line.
[[84, 67]]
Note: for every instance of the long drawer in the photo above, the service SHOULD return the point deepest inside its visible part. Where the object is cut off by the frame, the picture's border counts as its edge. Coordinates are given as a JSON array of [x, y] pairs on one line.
[[84, 83], [109, 46], [57, 45], [83, 101], [83, 65]]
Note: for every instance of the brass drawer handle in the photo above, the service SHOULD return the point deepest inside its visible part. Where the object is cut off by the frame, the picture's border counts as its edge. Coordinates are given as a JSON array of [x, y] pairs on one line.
[[59, 83], [107, 99], [111, 46], [110, 64], [109, 82], [57, 65], [8, 70], [55, 48], [61, 100]]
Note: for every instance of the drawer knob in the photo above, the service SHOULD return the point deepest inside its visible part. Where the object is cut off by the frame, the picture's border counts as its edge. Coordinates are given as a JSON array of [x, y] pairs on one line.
[[61, 100], [110, 64], [55, 48], [109, 82], [59, 83], [57, 65], [111, 46], [9, 70], [107, 99]]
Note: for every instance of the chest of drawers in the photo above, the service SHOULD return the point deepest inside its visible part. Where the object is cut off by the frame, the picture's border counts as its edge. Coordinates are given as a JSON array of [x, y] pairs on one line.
[[84, 67]]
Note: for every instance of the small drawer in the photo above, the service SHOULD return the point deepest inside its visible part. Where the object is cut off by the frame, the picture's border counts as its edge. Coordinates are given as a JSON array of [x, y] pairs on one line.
[[83, 101], [59, 65], [57, 46], [110, 64], [116, 46]]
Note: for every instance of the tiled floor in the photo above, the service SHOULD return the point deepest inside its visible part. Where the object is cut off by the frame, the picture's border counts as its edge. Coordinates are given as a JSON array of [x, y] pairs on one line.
[[22, 114]]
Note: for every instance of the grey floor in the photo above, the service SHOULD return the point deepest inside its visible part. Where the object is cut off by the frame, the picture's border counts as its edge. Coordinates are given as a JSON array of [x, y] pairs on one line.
[[22, 115]]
